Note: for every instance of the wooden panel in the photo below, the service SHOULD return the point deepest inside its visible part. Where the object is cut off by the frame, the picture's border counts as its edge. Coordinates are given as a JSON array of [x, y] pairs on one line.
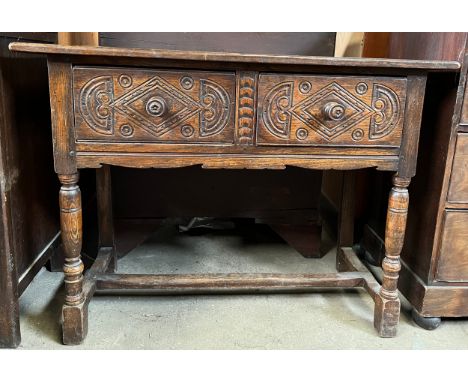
[[124, 105], [427, 45], [453, 256], [29, 175], [290, 194], [208, 60], [28, 207], [78, 38], [324, 110], [309, 44], [458, 189], [464, 114]]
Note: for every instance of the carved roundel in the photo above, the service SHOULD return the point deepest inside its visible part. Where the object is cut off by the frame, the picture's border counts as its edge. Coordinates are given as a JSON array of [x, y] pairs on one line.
[[187, 131], [186, 82], [357, 134], [361, 88], [126, 130], [305, 87], [156, 106], [125, 81], [302, 134]]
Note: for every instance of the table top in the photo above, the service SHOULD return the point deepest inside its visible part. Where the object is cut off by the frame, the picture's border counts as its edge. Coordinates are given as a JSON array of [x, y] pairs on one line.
[[199, 56]]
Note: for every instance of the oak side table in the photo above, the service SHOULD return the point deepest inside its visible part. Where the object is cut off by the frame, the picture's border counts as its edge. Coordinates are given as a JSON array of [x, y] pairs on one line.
[[158, 108]]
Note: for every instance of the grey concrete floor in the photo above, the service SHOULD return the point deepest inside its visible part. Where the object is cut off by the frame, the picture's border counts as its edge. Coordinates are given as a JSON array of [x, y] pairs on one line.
[[327, 319]]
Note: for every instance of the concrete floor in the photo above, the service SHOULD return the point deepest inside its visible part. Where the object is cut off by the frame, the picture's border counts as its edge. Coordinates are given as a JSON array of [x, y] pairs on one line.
[[329, 319]]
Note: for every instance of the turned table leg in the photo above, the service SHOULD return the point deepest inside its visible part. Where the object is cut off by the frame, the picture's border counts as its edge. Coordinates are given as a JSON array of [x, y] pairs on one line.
[[74, 311], [387, 304]]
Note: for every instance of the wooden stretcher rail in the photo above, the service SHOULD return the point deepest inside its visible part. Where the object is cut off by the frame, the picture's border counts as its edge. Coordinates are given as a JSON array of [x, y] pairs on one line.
[[227, 283]]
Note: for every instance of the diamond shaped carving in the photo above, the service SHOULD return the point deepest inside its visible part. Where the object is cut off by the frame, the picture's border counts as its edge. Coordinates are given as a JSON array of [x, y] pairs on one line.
[[312, 111], [156, 106]]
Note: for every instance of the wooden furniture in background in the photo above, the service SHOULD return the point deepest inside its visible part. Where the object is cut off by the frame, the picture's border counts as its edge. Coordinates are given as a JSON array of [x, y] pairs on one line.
[[434, 276], [158, 108], [29, 226]]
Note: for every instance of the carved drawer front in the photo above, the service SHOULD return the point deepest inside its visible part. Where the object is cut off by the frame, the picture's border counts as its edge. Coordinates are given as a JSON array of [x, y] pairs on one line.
[[132, 105], [453, 257], [326, 110], [458, 189]]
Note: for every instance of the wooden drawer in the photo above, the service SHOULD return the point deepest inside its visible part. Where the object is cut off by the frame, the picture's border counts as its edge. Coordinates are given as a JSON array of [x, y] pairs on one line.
[[327, 110], [458, 188], [453, 254], [464, 113], [133, 105]]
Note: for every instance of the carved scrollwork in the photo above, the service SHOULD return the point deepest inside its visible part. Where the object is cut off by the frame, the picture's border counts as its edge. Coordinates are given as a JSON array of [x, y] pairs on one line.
[[215, 108], [96, 97], [387, 112], [276, 115]]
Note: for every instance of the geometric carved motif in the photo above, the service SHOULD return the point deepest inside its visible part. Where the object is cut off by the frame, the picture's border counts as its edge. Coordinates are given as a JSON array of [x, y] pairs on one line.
[[182, 105], [325, 110], [353, 111], [148, 105]]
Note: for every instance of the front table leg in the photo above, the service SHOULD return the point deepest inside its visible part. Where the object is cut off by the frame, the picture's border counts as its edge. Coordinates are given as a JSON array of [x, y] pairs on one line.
[[387, 304], [74, 314]]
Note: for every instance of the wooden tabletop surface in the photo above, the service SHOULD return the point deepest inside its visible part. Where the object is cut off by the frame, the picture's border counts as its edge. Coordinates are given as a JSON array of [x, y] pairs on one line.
[[54, 49]]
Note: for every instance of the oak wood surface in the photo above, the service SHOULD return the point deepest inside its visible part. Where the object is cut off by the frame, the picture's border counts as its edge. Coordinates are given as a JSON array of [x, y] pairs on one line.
[[453, 260], [464, 115], [458, 188], [235, 57]]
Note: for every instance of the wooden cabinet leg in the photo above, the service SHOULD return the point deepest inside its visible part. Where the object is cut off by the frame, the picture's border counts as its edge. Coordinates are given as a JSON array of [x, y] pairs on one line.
[[105, 216], [345, 236], [74, 312], [387, 303]]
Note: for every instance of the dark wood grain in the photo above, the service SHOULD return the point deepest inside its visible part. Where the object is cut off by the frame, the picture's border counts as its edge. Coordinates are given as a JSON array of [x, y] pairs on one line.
[[409, 146], [105, 212], [345, 225], [227, 283], [387, 306], [9, 313], [426, 46], [458, 188], [307, 44], [464, 114], [61, 103], [235, 57], [29, 216], [452, 265]]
